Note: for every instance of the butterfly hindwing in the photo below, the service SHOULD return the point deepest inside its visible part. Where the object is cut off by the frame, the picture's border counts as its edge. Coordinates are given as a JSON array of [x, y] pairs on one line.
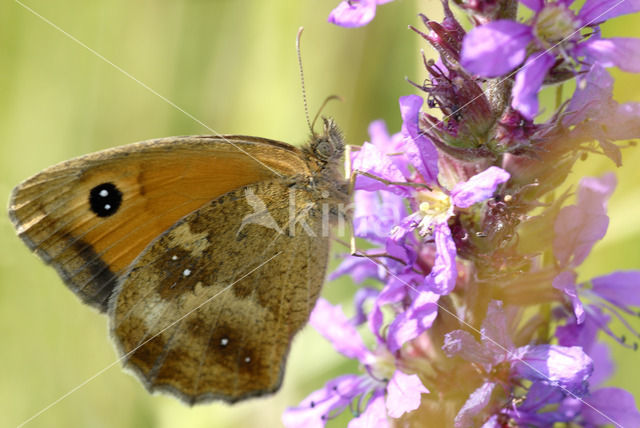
[[209, 309], [90, 217]]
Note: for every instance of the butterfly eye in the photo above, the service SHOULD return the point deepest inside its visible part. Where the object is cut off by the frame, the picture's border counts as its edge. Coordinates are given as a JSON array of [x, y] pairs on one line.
[[323, 149]]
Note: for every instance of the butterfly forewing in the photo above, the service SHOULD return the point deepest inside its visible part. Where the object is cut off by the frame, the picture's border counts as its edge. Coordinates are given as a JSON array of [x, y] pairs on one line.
[[92, 239]]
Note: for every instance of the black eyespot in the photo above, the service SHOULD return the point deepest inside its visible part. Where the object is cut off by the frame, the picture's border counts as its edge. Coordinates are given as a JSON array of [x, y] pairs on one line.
[[105, 199]]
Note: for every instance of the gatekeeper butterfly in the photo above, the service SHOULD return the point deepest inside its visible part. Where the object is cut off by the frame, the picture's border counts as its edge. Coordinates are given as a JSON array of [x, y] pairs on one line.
[[207, 252]]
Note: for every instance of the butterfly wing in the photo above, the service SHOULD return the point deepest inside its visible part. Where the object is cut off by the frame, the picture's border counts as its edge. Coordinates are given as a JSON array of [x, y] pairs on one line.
[[209, 309], [90, 217]]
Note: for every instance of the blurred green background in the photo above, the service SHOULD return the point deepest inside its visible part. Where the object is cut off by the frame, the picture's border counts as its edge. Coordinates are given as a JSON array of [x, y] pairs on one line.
[[233, 66]]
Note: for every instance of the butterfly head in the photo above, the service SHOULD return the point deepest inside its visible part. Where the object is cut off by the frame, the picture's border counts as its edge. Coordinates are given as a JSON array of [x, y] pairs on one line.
[[328, 146]]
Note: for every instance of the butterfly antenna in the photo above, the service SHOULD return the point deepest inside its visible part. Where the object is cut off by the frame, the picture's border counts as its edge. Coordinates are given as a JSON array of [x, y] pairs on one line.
[[304, 91], [326, 101]]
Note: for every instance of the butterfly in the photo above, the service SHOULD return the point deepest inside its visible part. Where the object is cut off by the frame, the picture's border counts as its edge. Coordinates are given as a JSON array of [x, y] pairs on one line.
[[207, 253]]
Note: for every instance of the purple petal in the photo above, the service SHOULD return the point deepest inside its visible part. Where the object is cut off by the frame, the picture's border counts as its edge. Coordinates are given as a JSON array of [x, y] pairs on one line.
[[477, 401], [405, 226], [566, 282], [378, 134], [625, 123], [578, 227], [334, 326], [576, 232], [403, 393], [443, 275], [595, 11], [620, 52], [539, 410], [585, 334], [388, 144], [528, 82], [592, 90], [402, 251], [495, 48], [376, 213], [313, 410], [620, 288], [394, 291], [460, 342], [353, 13], [375, 415], [603, 366], [492, 422], [412, 322], [362, 295], [567, 367], [359, 268], [418, 148], [370, 159], [617, 404], [495, 333], [594, 192], [478, 188], [539, 395]]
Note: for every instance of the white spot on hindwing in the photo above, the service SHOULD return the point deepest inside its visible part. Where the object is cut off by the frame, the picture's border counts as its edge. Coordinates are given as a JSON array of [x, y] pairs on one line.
[[104, 193], [224, 341], [186, 272]]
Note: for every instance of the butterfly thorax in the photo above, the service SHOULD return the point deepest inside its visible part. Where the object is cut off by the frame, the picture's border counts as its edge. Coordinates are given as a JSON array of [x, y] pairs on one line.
[[323, 155]]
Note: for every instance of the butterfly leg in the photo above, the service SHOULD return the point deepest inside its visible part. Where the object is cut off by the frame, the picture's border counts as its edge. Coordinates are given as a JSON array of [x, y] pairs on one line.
[[351, 175]]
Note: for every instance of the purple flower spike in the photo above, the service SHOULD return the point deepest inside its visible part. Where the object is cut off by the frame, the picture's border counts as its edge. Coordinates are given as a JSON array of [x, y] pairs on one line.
[[468, 203]]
